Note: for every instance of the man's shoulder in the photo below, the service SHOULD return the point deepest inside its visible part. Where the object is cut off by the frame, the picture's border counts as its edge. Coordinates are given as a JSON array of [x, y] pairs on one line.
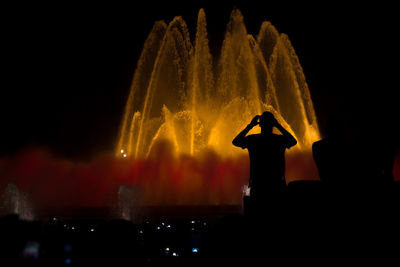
[[253, 138], [279, 137], [276, 138]]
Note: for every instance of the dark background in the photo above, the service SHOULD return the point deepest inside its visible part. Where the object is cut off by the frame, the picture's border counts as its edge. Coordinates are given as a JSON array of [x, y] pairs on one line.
[[67, 68]]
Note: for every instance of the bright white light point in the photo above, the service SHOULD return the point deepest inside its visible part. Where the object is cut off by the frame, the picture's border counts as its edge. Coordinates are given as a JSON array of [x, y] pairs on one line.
[[245, 190], [91, 230], [166, 249], [125, 155], [192, 221], [174, 254], [168, 226], [195, 250], [122, 151]]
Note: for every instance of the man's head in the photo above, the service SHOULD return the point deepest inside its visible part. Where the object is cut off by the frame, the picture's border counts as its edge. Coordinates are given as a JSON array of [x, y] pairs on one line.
[[267, 120]]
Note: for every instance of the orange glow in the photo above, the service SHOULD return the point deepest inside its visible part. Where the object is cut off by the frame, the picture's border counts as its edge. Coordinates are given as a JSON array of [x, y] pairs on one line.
[[182, 102], [178, 95]]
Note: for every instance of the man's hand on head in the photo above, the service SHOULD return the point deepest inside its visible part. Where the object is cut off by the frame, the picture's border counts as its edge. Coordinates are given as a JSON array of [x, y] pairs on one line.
[[255, 121]]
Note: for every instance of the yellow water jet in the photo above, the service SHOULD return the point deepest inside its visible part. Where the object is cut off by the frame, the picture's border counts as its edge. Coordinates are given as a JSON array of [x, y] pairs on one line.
[[178, 94]]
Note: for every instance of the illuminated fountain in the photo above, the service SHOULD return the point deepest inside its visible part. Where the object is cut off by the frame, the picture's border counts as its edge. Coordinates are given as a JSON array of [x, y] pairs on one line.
[[177, 94], [183, 111], [181, 116], [12, 201]]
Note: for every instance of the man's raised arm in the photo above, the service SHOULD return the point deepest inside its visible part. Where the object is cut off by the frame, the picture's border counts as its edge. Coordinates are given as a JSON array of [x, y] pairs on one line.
[[239, 140], [291, 140]]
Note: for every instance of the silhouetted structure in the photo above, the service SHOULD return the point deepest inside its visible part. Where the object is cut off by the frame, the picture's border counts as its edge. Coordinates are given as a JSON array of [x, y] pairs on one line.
[[267, 157], [335, 155], [351, 158]]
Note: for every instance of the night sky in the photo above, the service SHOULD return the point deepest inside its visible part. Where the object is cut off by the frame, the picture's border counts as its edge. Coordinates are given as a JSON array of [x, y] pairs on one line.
[[67, 68]]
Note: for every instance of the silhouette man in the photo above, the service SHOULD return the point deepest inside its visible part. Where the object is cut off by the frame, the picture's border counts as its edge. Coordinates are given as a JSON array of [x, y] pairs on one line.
[[267, 156]]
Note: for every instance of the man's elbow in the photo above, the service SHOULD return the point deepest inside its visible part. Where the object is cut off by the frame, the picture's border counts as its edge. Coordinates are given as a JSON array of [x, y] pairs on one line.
[[292, 142], [237, 143]]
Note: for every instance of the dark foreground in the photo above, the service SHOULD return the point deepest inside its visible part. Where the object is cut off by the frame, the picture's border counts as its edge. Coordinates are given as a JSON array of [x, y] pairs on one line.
[[310, 225]]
